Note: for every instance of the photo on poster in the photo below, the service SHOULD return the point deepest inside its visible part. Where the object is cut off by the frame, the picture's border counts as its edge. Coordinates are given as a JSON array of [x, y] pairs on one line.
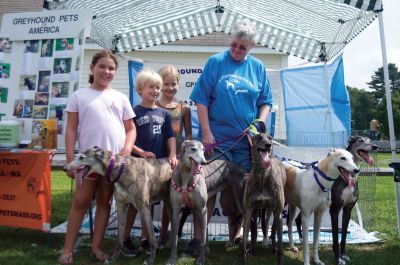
[[41, 98], [47, 48], [27, 82], [76, 86], [81, 37], [40, 112], [78, 63], [18, 108], [37, 126], [28, 108], [31, 46], [60, 127], [44, 81], [3, 94], [56, 111], [59, 89], [65, 44], [62, 65], [5, 45], [5, 70]]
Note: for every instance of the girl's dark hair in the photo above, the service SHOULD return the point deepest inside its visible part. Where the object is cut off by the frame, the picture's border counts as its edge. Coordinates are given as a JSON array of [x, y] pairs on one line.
[[98, 56]]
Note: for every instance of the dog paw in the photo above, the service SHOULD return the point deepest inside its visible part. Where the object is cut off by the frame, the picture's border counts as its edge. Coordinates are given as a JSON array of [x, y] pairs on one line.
[[148, 261], [294, 249], [318, 262], [341, 262], [344, 258], [170, 262], [200, 262], [266, 242]]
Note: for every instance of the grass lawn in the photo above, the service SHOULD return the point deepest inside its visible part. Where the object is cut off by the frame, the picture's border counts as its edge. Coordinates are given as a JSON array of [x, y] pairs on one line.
[[23, 246], [384, 159]]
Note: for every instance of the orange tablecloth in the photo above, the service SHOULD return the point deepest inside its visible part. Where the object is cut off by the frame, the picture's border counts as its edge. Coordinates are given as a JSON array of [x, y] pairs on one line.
[[25, 191]]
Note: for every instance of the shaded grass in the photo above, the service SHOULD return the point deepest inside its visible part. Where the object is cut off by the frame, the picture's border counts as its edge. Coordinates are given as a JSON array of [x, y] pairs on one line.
[[24, 246]]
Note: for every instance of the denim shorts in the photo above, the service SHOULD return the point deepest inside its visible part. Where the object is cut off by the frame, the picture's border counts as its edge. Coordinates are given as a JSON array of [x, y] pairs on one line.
[[237, 156]]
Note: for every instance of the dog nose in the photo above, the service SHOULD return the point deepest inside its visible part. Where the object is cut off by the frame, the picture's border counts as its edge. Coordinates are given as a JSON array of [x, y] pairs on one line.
[[65, 168], [374, 147], [356, 171]]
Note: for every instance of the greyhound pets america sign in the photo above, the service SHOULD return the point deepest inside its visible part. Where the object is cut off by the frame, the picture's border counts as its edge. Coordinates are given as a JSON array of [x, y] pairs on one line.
[[45, 24]]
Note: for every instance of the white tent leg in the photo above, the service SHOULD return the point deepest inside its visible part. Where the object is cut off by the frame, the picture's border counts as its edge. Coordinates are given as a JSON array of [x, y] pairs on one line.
[[389, 111], [359, 216]]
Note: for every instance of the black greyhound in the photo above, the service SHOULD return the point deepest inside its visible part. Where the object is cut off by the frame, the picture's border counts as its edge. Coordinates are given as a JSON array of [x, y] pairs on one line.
[[345, 195]]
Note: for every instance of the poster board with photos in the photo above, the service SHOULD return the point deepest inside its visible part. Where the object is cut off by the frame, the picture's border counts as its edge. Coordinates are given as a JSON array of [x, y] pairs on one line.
[[37, 75]]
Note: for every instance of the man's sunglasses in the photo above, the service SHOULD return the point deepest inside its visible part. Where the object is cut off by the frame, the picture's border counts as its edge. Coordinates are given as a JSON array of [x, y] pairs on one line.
[[234, 45]]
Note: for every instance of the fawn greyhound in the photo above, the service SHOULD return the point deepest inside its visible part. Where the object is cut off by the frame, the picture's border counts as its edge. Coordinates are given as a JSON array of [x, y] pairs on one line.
[[309, 189]]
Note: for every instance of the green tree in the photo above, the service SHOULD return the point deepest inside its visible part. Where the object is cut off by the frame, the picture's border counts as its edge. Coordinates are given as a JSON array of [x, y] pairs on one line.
[[377, 83], [363, 109], [381, 114]]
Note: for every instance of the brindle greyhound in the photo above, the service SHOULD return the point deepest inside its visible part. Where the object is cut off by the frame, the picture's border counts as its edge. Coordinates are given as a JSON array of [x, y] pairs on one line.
[[137, 181], [264, 189], [218, 176], [188, 186]]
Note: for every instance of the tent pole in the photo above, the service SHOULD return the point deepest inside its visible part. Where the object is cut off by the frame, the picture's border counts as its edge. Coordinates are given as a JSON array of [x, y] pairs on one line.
[[329, 112], [389, 111]]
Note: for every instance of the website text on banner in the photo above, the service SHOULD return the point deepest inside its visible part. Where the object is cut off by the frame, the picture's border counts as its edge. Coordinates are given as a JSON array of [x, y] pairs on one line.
[[25, 193]]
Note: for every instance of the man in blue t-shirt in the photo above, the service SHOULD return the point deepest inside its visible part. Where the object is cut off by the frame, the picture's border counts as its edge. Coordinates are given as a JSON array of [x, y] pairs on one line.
[[232, 91]]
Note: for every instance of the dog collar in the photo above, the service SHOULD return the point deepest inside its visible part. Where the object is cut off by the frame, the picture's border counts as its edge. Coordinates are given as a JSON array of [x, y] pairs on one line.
[[110, 169], [189, 188], [185, 193], [322, 174]]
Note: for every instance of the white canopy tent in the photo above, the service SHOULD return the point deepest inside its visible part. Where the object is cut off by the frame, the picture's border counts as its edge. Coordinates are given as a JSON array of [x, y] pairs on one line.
[[315, 30]]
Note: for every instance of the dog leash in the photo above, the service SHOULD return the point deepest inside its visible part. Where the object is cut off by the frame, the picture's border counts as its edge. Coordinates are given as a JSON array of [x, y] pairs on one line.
[[255, 127], [227, 150]]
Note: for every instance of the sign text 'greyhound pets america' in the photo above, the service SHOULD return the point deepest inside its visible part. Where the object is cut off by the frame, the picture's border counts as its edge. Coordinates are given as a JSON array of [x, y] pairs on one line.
[[45, 24]]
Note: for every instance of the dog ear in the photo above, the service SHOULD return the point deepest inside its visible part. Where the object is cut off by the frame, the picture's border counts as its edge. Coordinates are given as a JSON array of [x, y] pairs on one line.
[[186, 142], [257, 138], [98, 153], [332, 150]]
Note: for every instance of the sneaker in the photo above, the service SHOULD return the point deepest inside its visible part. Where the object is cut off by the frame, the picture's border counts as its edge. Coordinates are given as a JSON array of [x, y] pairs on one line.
[[128, 249], [145, 245]]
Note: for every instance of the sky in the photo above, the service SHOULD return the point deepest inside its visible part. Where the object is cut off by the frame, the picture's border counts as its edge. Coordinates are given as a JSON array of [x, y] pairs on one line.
[[363, 56]]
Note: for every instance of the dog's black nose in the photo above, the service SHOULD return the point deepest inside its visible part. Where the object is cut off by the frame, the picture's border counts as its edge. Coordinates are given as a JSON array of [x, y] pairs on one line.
[[356, 171], [374, 147], [65, 168]]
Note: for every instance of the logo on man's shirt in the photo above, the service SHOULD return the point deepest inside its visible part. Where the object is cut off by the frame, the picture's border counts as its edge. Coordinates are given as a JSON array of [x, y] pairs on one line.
[[235, 85]]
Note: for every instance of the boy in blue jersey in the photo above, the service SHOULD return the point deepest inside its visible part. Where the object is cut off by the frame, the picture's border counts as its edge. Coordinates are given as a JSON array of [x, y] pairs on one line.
[[232, 91], [155, 139]]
